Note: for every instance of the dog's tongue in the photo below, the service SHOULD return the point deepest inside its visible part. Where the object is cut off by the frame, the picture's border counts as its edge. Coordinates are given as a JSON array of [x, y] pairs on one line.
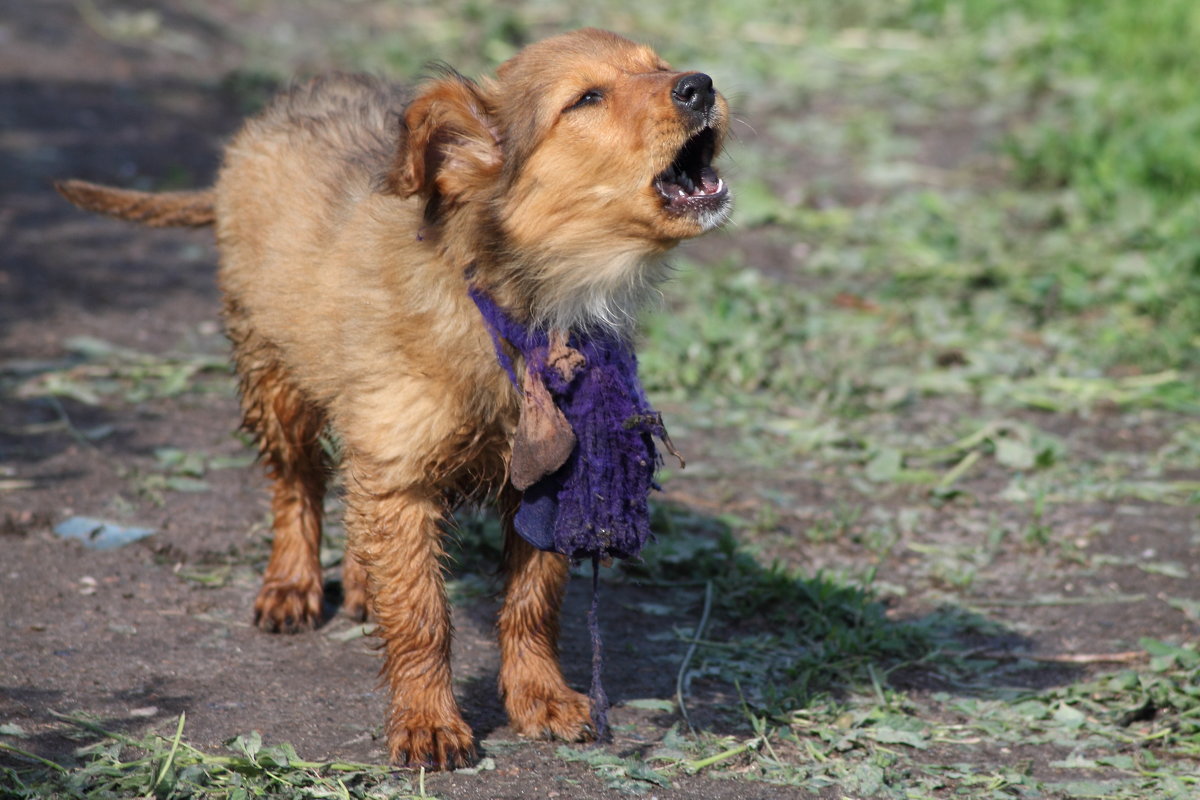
[[710, 183]]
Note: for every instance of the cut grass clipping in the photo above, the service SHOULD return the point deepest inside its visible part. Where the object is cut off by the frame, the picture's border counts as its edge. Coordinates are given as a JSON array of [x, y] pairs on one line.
[[116, 765]]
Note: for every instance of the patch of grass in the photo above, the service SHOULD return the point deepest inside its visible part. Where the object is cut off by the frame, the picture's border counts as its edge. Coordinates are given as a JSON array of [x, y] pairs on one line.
[[626, 774], [784, 369], [1061, 276], [117, 765], [785, 638], [742, 338], [822, 676], [1132, 732], [181, 471]]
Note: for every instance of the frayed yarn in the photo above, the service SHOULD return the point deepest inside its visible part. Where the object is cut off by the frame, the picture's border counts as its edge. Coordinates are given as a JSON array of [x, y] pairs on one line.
[[596, 693]]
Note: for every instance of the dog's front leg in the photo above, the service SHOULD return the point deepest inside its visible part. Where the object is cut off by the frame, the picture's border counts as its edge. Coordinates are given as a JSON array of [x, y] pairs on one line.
[[538, 700], [397, 539]]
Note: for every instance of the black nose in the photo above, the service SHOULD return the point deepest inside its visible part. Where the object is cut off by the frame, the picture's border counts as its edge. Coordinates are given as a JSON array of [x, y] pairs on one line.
[[694, 93]]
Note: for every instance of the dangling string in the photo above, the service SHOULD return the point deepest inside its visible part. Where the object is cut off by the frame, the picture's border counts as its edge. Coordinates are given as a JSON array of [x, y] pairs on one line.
[[596, 694]]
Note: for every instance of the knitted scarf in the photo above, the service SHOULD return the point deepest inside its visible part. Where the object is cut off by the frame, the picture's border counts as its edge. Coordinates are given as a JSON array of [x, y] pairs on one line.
[[594, 505]]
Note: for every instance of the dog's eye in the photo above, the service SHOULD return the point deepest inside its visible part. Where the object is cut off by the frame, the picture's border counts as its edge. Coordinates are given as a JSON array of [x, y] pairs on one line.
[[589, 98]]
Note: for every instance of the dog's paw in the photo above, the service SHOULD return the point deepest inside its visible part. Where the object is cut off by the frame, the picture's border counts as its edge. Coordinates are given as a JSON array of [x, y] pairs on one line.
[[355, 600], [288, 607], [563, 714], [415, 741]]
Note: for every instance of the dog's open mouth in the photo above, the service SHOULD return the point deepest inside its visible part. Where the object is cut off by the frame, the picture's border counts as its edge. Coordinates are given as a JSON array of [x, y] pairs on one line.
[[690, 184]]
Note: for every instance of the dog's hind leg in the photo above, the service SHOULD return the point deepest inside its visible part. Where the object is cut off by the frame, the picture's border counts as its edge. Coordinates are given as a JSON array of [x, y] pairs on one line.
[[539, 702], [288, 429], [355, 597]]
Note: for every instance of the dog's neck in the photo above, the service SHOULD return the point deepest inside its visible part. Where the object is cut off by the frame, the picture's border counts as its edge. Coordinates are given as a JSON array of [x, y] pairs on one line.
[[599, 293], [614, 293], [599, 287]]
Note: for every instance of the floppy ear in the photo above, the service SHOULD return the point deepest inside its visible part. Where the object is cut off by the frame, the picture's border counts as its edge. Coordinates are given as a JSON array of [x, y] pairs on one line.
[[448, 146]]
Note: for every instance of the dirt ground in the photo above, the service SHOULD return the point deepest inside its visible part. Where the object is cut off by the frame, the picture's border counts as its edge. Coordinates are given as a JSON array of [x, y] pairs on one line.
[[138, 634]]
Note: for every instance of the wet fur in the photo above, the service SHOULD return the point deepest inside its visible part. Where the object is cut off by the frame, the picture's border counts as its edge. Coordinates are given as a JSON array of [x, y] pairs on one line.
[[348, 219]]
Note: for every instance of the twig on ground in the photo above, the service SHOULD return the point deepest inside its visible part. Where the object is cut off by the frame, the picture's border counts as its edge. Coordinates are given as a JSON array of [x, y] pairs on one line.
[[1124, 657], [696, 636], [699, 764], [65, 418], [170, 759], [688, 499]]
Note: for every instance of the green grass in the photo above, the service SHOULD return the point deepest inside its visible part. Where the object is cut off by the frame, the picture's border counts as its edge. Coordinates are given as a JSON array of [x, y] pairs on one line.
[[99, 371], [115, 765]]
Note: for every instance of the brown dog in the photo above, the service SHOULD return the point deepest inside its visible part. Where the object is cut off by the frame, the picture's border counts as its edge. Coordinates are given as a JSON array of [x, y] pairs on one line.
[[349, 238]]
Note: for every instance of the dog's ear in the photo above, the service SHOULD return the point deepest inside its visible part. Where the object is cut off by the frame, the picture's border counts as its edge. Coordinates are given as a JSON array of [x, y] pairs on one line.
[[448, 144]]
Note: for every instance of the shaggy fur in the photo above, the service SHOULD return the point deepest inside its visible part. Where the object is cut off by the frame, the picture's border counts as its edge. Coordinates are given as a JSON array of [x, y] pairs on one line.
[[351, 226]]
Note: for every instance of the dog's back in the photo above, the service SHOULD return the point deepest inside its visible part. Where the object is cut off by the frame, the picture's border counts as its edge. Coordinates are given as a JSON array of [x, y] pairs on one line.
[[322, 143], [328, 273], [295, 172]]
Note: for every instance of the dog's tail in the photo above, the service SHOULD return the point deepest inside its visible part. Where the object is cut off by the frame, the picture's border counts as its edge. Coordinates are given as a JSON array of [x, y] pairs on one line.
[[193, 209]]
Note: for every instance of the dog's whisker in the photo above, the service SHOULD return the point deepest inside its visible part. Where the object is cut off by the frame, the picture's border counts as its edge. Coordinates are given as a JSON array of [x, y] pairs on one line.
[[743, 121]]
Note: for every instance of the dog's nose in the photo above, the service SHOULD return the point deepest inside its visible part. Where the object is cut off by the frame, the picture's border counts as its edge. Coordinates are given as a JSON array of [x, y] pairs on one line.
[[694, 94]]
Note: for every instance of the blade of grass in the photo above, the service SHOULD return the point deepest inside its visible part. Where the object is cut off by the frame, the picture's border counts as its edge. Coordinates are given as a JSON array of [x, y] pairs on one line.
[[32, 757], [162, 773]]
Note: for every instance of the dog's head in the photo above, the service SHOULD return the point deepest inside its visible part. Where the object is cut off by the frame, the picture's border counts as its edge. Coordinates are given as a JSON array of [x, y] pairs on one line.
[[585, 159]]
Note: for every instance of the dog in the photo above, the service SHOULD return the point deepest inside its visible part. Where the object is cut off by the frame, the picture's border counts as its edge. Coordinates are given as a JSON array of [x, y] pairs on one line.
[[353, 222]]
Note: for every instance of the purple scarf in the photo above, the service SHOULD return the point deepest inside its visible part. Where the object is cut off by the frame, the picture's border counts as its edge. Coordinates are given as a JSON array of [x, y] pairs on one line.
[[596, 504]]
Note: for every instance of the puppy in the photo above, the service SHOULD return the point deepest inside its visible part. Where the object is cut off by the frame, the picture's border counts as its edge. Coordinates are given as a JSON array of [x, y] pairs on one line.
[[353, 227]]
